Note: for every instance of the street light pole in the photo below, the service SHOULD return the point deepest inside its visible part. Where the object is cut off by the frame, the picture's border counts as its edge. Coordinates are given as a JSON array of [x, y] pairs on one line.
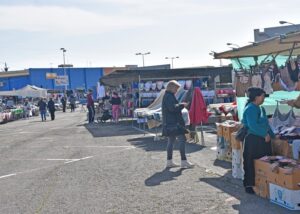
[[285, 22], [229, 43], [172, 59], [64, 58], [143, 54]]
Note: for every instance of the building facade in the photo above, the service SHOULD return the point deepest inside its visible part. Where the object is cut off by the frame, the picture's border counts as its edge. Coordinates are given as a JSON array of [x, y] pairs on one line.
[[79, 78], [267, 33]]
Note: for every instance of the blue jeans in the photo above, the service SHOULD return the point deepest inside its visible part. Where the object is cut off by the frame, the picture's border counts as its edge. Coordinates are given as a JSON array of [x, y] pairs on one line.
[[43, 114], [171, 141]]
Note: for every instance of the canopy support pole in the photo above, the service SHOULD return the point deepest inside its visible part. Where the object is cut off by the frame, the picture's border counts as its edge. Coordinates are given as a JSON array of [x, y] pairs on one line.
[[291, 52]]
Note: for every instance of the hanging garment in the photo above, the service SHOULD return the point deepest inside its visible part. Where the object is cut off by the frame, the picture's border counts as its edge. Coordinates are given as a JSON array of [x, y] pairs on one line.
[[285, 77], [243, 82], [160, 85], [256, 81], [198, 112], [182, 83], [296, 149], [293, 70], [276, 84], [280, 120], [188, 84], [268, 83], [148, 85], [153, 86]]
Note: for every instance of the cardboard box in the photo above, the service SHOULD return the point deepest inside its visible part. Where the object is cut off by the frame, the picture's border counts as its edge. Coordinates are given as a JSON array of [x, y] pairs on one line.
[[237, 171], [237, 156], [289, 199], [289, 181], [227, 130], [282, 148], [263, 169], [280, 177], [219, 129], [235, 144], [262, 187]]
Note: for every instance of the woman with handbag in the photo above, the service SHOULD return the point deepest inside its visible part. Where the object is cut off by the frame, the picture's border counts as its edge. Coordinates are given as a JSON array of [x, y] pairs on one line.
[[173, 124], [257, 142]]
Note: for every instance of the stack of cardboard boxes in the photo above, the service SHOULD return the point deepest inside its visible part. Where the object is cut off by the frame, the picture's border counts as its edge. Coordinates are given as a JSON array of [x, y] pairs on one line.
[[224, 131], [278, 178], [237, 158]]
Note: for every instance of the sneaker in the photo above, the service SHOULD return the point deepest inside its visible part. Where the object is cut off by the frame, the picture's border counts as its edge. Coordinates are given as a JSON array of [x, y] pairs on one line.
[[186, 164], [249, 190], [171, 164]]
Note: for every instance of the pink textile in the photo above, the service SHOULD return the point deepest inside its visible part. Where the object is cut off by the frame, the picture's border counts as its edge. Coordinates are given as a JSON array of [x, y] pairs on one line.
[[115, 112], [198, 112]]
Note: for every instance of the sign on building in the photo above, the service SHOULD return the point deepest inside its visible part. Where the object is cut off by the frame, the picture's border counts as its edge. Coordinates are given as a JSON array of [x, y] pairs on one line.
[[61, 80], [51, 75]]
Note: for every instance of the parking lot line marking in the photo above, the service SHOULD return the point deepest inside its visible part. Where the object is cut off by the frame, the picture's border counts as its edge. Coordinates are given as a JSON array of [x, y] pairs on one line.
[[75, 160], [9, 175]]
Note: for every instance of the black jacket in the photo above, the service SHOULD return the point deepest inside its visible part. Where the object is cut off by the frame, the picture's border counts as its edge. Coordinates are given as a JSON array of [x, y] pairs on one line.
[[115, 101], [51, 105], [171, 112]]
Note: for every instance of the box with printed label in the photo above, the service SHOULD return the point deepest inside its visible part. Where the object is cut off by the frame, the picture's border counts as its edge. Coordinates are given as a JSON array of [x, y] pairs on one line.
[[289, 199], [237, 156], [219, 129], [289, 178], [237, 171], [227, 130], [262, 187], [235, 144]]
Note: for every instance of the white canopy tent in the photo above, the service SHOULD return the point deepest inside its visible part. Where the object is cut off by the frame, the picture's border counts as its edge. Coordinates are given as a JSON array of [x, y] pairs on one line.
[[27, 91]]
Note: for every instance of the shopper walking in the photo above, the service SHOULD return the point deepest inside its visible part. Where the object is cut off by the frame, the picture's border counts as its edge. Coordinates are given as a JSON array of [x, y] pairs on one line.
[[51, 108], [43, 108], [116, 102], [173, 124], [72, 103], [26, 109], [257, 141], [64, 103], [90, 105]]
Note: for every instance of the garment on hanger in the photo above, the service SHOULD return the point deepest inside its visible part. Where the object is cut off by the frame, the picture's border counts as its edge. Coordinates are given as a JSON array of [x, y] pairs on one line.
[[279, 119], [153, 86], [243, 82], [159, 85], [256, 81], [268, 83], [285, 77], [293, 70], [148, 85], [188, 84]]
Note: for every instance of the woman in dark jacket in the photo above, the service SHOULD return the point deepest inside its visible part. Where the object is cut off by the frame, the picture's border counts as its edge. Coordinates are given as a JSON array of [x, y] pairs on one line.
[[51, 108], [173, 124], [258, 140]]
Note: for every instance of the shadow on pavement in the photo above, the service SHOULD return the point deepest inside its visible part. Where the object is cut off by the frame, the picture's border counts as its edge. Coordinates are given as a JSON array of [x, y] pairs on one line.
[[109, 129], [163, 176], [241, 201], [148, 144], [223, 164]]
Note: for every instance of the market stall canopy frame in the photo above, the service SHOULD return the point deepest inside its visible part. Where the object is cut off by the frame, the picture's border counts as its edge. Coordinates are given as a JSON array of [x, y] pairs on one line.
[[280, 45]]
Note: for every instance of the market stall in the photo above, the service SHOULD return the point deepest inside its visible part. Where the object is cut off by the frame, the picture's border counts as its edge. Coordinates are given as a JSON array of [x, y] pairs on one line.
[[273, 65]]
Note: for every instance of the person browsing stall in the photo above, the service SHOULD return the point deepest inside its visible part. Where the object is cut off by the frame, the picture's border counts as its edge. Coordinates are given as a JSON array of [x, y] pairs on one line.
[[173, 124], [115, 102], [257, 141]]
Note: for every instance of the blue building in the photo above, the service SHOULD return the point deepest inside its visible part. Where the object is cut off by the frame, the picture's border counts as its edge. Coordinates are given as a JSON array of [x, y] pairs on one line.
[[79, 78]]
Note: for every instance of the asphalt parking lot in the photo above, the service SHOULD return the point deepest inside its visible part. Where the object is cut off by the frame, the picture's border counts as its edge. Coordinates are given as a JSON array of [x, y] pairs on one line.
[[67, 166]]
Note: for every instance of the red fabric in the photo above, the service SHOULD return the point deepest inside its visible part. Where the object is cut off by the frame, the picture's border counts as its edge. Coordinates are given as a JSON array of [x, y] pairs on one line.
[[198, 112]]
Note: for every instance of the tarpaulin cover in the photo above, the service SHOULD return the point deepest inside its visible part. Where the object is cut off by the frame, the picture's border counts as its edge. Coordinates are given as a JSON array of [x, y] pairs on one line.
[[270, 103], [247, 62], [198, 112]]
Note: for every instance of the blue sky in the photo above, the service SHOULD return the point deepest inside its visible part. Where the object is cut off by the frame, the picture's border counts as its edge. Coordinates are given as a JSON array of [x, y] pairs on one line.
[[110, 32]]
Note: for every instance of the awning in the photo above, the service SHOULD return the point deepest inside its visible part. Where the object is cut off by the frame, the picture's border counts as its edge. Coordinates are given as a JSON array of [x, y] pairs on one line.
[[128, 76], [280, 45]]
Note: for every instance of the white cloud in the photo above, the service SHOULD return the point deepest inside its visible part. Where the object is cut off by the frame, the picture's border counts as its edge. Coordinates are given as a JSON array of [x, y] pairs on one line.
[[63, 20]]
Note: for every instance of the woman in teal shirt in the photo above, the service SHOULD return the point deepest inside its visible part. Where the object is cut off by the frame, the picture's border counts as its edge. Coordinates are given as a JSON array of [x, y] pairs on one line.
[[258, 140]]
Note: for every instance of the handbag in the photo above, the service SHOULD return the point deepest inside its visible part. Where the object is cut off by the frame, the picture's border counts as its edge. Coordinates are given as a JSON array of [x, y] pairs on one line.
[[241, 134], [175, 130]]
